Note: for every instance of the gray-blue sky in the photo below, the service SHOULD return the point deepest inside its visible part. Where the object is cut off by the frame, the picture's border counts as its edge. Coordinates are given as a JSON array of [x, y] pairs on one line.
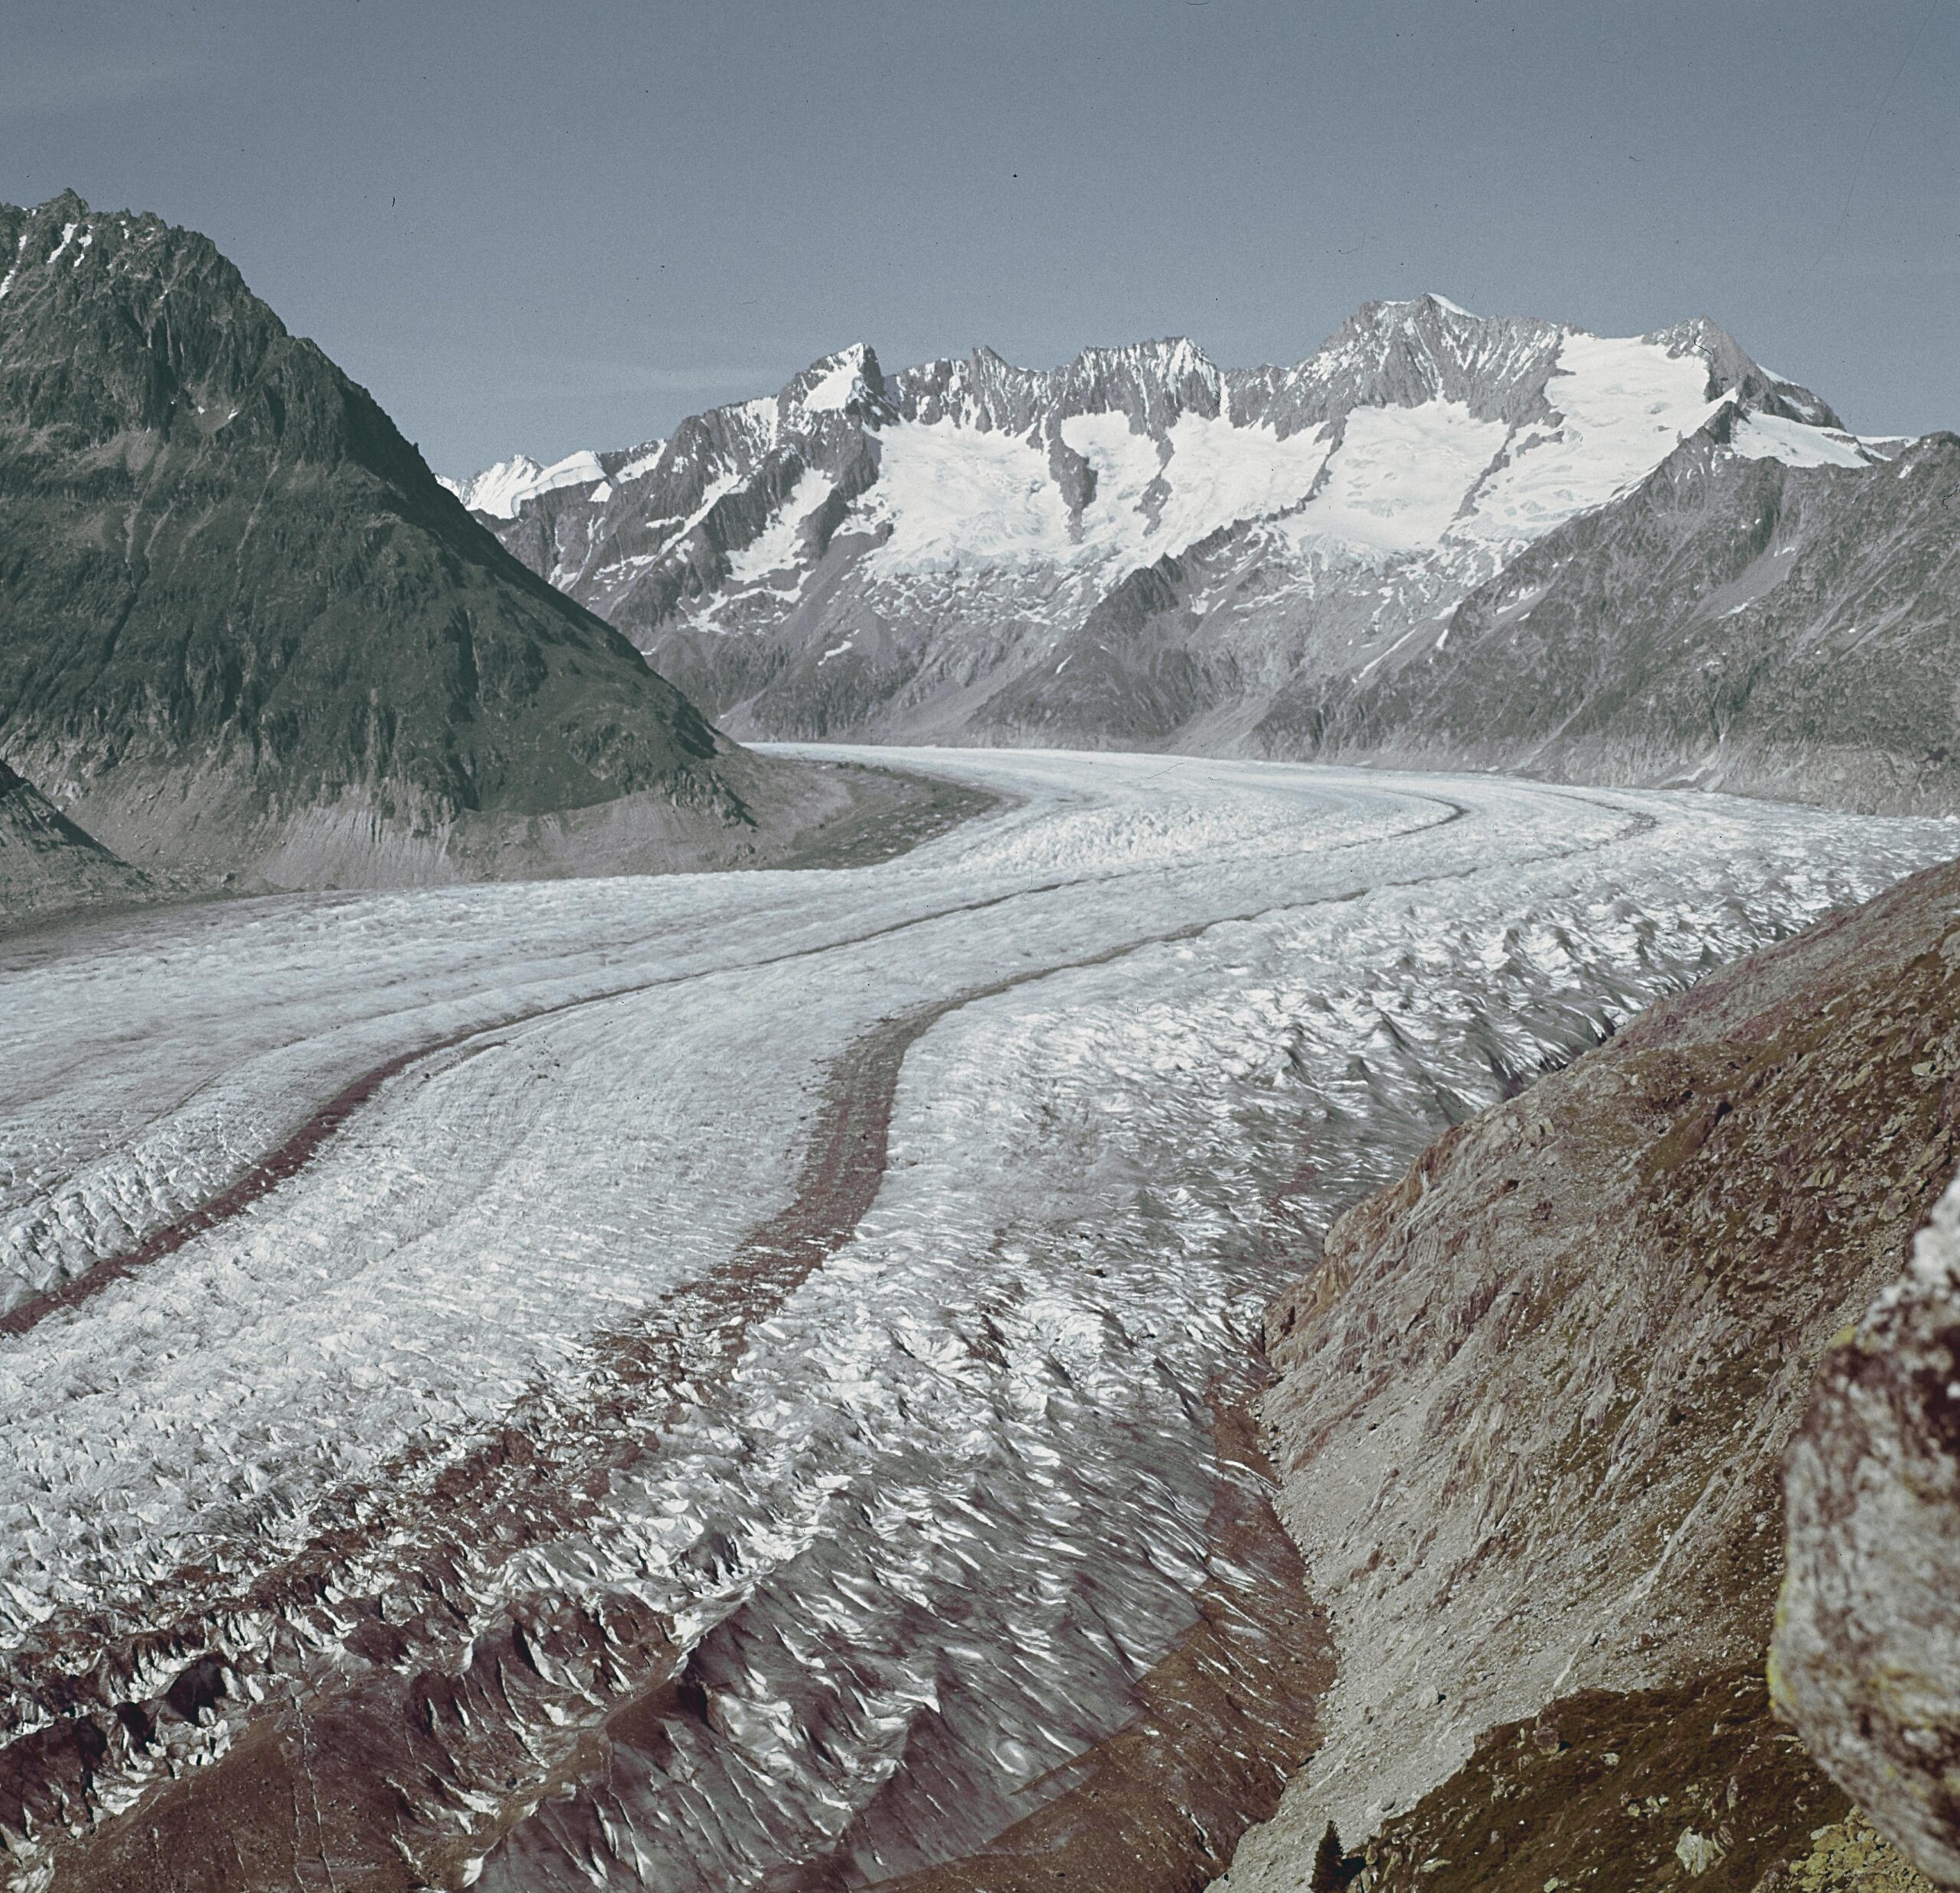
[[541, 226]]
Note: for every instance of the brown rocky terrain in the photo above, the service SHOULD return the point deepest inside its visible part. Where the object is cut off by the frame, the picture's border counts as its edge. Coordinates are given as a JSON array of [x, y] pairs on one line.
[[1531, 1408], [1867, 1632]]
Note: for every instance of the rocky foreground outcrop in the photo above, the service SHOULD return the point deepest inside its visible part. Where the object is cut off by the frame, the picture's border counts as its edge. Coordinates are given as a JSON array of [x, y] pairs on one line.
[[1868, 1648], [1532, 1407]]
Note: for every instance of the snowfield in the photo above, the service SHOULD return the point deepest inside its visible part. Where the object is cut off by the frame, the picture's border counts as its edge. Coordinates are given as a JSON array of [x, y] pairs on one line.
[[918, 1515]]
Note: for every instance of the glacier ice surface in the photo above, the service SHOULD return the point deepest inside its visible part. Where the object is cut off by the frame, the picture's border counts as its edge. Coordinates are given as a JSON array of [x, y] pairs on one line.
[[950, 1499]]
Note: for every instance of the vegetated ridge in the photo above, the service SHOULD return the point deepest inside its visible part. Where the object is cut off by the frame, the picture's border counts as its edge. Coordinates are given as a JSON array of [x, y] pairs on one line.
[[245, 636], [1441, 538]]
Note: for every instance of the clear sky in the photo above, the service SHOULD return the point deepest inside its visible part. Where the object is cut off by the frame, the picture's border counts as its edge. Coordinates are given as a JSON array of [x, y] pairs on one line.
[[550, 225]]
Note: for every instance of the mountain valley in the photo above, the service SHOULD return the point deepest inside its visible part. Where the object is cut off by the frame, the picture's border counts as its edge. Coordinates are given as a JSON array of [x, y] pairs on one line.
[[1217, 1276], [575, 1450]]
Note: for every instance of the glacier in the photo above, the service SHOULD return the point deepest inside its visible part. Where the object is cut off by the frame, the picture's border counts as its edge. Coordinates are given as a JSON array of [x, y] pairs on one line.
[[823, 1543]]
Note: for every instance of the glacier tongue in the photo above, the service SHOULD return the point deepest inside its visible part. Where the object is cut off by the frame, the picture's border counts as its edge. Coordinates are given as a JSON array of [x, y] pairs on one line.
[[546, 1372]]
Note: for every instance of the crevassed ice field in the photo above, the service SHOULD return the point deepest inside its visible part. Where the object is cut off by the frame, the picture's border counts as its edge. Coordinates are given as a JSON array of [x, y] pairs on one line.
[[918, 1515]]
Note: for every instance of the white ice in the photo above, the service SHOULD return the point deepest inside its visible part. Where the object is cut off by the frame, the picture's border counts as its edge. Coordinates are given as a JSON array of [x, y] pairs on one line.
[[501, 490], [1429, 479], [1621, 405], [1770, 437], [970, 1449]]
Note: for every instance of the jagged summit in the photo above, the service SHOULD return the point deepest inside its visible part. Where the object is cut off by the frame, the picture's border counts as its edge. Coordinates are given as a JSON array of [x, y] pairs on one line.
[[850, 379], [1139, 546], [1387, 353]]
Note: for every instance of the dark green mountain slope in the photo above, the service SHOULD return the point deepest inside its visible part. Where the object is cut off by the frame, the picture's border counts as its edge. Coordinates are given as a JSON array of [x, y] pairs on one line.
[[245, 633], [1734, 623]]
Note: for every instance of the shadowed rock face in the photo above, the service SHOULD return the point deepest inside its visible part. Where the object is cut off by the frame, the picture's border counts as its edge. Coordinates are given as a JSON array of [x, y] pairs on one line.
[[244, 632], [47, 864], [1868, 1648], [1534, 1400]]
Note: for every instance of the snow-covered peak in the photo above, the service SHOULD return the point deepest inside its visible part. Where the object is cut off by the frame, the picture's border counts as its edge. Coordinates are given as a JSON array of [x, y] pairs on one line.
[[501, 490], [839, 383], [1410, 310], [983, 390], [1421, 444], [490, 490]]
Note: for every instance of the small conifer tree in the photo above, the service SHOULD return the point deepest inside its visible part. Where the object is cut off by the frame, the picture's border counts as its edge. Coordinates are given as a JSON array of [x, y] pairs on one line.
[[1332, 1872]]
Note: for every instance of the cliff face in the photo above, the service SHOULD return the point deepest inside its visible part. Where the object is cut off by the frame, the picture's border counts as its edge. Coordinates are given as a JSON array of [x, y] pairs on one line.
[[1532, 1403], [1868, 1648], [243, 632]]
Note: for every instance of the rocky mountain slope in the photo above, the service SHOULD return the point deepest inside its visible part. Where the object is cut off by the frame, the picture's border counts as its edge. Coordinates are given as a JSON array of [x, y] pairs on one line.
[[1531, 1406], [1142, 549], [47, 864], [1735, 622], [243, 632]]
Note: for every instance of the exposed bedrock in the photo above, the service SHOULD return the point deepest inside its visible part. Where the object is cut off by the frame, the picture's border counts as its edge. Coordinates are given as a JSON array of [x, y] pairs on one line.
[[1531, 1409], [1867, 1648], [47, 864]]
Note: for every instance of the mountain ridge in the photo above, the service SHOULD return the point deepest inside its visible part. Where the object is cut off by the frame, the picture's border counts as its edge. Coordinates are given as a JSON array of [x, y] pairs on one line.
[[247, 635], [1773, 629], [1141, 549]]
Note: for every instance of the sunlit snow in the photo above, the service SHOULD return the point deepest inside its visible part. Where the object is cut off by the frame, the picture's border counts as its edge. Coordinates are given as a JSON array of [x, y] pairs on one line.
[[1400, 475], [957, 1482], [501, 490], [1770, 437], [1620, 406], [779, 547]]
